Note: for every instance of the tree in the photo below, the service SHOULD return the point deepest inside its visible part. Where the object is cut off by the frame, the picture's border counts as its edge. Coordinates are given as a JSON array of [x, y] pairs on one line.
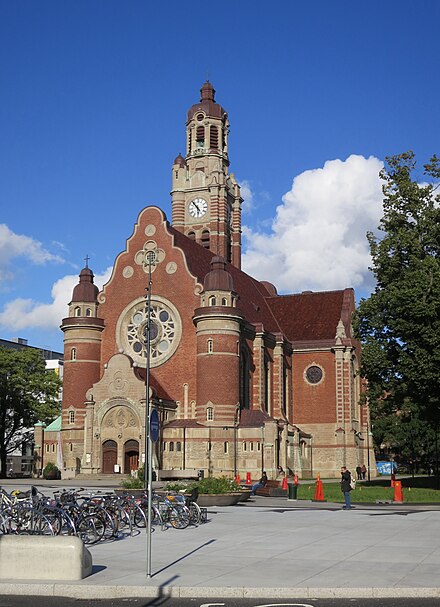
[[28, 393], [399, 324]]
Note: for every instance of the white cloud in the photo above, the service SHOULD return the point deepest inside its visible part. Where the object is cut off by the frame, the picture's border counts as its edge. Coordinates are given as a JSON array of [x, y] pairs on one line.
[[247, 195], [27, 313], [318, 237], [17, 245]]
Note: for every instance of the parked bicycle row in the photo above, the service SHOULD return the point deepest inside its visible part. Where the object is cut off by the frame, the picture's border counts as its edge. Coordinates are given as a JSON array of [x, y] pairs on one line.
[[94, 516]]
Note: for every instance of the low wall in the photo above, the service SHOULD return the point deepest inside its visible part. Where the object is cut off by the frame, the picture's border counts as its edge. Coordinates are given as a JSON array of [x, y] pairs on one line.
[[40, 557]]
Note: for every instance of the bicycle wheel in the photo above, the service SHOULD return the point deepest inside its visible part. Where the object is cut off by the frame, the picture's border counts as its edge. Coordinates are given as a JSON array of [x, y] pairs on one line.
[[179, 517], [86, 529]]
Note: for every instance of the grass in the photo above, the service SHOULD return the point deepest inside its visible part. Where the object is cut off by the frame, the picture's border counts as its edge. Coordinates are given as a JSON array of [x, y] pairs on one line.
[[415, 490]]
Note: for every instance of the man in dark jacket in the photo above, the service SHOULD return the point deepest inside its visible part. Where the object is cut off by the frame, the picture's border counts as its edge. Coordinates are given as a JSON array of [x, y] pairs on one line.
[[346, 486]]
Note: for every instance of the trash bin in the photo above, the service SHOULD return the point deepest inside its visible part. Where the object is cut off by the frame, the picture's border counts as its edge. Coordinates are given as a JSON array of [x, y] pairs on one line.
[[293, 491]]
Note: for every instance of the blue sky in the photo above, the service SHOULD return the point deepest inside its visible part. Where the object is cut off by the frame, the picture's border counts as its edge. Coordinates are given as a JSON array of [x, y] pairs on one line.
[[93, 102]]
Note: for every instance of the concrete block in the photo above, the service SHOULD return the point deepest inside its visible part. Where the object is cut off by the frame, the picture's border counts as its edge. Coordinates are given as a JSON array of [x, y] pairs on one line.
[[39, 557]]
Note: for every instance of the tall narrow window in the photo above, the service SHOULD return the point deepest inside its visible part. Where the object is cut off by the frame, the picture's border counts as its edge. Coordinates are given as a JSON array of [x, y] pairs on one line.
[[210, 345], [210, 414], [191, 235], [178, 446], [225, 447], [205, 240], [77, 311], [73, 354], [88, 312], [213, 136], [200, 136], [71, 417], [212, 301], [171, 446]]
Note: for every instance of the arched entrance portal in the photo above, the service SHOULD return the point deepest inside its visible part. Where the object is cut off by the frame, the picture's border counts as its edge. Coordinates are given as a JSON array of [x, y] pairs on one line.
[[109, 456], [131, 456]]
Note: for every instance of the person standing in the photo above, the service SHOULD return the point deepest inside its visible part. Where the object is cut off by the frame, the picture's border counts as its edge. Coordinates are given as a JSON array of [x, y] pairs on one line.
[[359, 473], [346, 486], [363, 471]]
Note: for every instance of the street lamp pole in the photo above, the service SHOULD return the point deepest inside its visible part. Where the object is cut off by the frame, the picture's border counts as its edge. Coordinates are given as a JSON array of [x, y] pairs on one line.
[[148, 472], [368, 451]]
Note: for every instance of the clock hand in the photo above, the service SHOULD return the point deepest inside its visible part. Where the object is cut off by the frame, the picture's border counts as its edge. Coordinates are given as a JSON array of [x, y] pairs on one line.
[[196, 205]]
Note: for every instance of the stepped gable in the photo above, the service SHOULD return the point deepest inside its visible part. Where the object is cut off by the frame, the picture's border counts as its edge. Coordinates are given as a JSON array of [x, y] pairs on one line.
[[311, 316], [253, 300]]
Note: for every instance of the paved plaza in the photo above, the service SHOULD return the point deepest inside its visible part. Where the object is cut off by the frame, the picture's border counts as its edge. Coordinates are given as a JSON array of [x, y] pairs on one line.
[[271, 547]]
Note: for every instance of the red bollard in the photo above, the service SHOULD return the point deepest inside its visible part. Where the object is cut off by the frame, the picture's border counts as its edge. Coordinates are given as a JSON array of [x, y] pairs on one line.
[[398, 493], [248, 478], [237, 479], [319, 491]]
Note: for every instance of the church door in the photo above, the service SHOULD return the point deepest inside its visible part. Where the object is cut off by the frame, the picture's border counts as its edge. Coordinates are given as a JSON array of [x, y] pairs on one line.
[[131, 456], [109, 456]]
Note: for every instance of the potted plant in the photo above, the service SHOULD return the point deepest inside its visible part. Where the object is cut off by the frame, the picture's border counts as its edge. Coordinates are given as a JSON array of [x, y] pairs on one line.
[[215, 491]]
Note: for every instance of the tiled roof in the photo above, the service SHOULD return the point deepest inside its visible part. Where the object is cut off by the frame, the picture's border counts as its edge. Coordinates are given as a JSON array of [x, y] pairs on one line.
[[309, 316], [183, 423], [253, 418]]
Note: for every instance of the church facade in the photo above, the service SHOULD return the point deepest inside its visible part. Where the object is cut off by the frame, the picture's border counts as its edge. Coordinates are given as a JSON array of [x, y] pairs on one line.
[[243, 379]]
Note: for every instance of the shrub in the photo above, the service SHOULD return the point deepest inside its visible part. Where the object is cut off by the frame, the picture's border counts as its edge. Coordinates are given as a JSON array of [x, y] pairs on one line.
[[216, 485], [51, 471], [136, 481]]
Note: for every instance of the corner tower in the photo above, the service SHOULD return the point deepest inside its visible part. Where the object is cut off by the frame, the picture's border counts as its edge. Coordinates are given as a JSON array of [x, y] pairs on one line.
[[205, 197]]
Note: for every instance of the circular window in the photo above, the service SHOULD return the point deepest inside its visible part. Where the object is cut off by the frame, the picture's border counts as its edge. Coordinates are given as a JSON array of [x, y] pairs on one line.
[[314, 374], [165, 331], [200, 117]]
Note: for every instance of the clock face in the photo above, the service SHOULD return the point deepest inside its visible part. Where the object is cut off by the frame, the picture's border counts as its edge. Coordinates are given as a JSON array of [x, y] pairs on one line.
[[198, 207]]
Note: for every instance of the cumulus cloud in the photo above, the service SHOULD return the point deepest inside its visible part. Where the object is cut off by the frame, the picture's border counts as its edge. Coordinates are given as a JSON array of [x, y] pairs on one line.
[[318, 237], [24, 313], [17, 245]]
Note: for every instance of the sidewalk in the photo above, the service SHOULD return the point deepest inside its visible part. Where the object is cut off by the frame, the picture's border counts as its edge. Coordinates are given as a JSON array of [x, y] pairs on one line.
[[272, 548]]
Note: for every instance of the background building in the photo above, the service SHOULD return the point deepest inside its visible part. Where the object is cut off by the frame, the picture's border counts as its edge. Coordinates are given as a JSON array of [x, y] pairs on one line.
[[244, 379]]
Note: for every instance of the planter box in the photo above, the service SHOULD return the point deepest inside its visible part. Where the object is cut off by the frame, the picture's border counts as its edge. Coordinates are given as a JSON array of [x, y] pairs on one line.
[[218, 499]]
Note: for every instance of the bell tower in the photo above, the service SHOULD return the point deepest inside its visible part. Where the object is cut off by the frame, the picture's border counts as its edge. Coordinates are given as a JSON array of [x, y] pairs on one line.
[[205, 197]]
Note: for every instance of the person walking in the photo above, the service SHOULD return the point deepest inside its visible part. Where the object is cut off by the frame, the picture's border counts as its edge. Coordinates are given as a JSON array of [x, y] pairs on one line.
[[346, 487]]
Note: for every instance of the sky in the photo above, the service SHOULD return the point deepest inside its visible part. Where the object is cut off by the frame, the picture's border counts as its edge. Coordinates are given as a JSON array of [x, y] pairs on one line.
[[93, 101]]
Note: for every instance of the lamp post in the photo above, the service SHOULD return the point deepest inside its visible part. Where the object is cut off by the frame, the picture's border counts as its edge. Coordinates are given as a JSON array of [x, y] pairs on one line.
[[150, 258]]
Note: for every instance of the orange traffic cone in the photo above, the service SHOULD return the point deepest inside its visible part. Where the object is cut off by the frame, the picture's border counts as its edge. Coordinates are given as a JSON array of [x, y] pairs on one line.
[[398, 494], [284, 485], [248, 478], [319, 491], [237, 479]]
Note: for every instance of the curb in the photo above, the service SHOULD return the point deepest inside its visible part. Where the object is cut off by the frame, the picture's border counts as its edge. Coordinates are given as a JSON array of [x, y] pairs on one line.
[[113, 592]]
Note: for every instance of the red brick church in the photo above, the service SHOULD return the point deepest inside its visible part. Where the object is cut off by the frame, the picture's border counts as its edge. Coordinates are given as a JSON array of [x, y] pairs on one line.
[[243, 378]]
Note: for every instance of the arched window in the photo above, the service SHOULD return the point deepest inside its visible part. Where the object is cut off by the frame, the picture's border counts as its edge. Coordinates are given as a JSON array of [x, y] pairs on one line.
[[192, 235], [212, 301], [77, 311], [88, 312], [70, 446], [210, 345], [171, 446], [267, 384], [205, 240], [164, 446], [213, 136], [200, 136], [224, 301], [178, 446], [73, 354]]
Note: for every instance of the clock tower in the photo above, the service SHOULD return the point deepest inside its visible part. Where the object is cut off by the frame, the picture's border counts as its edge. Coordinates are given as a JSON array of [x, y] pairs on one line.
[[205, 197]]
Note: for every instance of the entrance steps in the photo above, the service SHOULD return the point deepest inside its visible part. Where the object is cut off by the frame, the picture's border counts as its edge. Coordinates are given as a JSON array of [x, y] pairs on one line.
[[111, 478]]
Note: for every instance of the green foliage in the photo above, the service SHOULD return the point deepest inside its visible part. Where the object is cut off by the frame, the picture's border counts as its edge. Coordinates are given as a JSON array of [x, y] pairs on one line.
[[399, 324], [177, 486], [51, 471], [216, 485], [136, 481], [28, 393]]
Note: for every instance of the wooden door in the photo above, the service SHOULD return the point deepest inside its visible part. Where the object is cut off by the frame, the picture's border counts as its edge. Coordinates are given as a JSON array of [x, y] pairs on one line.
[[109, 456]]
